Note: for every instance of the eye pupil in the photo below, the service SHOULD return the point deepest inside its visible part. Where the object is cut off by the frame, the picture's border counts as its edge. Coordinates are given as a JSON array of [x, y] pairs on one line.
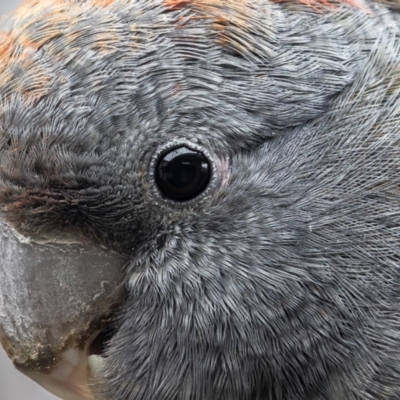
[[182, 173]]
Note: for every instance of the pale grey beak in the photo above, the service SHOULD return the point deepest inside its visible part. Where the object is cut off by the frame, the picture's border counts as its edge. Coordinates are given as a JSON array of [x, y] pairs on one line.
[[54, 299]]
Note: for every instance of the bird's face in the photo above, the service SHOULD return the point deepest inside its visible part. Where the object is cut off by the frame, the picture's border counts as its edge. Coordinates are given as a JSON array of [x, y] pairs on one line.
[[177, 184]]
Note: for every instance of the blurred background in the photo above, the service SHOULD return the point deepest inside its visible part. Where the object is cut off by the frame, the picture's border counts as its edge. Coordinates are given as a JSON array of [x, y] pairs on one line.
[[14, 385]]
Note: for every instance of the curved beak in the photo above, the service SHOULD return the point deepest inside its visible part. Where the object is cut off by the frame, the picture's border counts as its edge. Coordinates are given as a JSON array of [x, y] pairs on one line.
[[54, 299]]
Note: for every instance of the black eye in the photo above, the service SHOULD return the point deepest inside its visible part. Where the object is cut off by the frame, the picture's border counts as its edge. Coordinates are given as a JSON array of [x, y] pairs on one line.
[[182, 174]]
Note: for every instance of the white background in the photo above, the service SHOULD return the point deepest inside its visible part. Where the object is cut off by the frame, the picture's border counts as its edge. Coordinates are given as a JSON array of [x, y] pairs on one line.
[[13, 385]]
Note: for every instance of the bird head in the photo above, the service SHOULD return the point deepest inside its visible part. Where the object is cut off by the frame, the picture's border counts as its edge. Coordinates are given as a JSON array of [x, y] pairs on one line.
[[197, 198]]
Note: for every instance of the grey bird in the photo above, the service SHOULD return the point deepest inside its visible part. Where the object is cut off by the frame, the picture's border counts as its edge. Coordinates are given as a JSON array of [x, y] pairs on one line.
[[200, 199]]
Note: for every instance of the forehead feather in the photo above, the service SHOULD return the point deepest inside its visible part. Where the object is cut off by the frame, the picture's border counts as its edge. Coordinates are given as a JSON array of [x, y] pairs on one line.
[[152, 60]]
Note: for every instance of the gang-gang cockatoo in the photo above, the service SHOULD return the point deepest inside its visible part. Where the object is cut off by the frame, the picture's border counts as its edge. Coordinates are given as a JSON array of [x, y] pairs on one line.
[[200, 199]]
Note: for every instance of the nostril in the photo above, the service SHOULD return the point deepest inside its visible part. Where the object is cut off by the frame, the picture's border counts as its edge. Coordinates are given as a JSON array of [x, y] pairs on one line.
[[99, 344]]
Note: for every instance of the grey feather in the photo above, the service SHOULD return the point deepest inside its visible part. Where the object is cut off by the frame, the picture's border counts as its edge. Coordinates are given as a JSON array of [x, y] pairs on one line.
[[282, 282]]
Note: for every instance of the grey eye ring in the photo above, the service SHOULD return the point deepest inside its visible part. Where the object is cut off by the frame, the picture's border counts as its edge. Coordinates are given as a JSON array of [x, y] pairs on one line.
[[182, 172]]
